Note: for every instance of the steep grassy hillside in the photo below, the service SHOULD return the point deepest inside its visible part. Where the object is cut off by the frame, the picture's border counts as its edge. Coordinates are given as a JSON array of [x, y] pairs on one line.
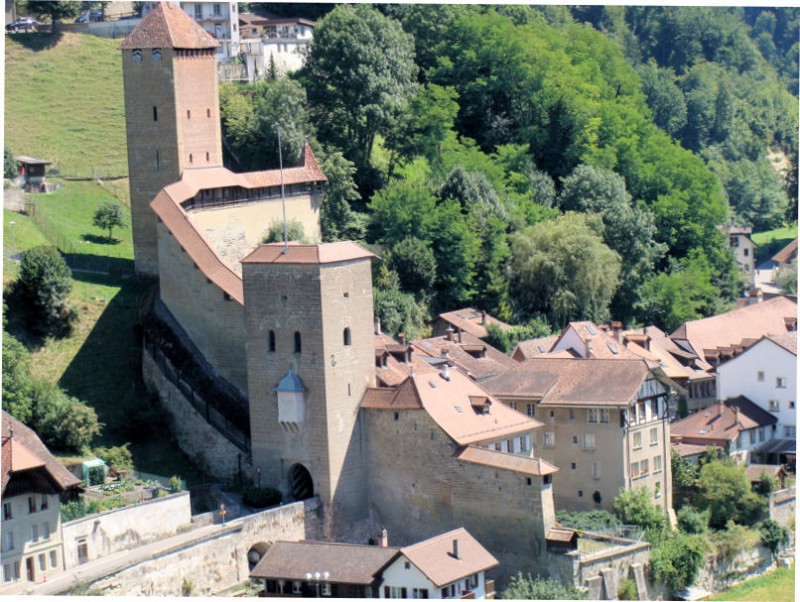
[[63, 102]]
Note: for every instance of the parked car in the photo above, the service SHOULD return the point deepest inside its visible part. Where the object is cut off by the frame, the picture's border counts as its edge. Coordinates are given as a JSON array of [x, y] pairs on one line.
[[23, 24], [90, 16]]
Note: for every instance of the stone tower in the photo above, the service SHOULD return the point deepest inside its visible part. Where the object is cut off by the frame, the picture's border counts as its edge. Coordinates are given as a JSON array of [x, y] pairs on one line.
[[172, 118], [310, 357]]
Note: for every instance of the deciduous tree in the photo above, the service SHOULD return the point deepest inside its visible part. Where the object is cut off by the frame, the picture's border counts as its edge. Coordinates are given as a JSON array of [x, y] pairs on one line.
[[109, 216]]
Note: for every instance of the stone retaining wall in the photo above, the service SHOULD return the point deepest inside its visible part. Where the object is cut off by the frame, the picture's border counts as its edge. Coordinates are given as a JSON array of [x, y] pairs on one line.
[[125, 528], [782, 505]]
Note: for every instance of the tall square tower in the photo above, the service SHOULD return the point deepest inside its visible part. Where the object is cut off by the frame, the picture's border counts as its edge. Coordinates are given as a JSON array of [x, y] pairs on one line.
[[171, 114], [310, 357]]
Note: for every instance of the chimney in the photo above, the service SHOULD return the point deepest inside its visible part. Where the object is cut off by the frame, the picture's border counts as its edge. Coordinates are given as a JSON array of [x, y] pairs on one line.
[[449, 333], [383, 540], [455, 549], [377, 326], [402, 338], [616, 327], [445, 371], [459, 336], [483, 317], [445, 353]]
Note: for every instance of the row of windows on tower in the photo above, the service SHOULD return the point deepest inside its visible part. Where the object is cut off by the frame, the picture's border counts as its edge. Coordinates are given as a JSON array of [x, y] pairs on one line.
[[298, 342], [191, 159], [188, 113], [137, 55]]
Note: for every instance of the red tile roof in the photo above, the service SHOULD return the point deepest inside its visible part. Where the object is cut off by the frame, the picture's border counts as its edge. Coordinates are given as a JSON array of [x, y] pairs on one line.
[[26, 452], [436, 559], [720, 422], [573, 382], [534, 347], [497, 459], [787, 253], [167, 26], [728, 329], [595, 339], [489, 361], [296, 253], [471, 320]]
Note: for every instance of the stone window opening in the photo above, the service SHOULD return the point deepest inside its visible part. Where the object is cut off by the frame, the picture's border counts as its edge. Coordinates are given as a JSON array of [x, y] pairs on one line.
[[155, 113], [298, 343], [191, 159], [271, 341], [208, 156], [347, 339], [156, 54], [188, 114], [208, 113], [136, 55], [158, 162]]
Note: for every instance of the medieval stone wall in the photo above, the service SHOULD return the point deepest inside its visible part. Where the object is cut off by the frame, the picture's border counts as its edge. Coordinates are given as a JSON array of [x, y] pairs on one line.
[[417, 489], [125, 528], [207, 447], [214, 322], [782, 505]]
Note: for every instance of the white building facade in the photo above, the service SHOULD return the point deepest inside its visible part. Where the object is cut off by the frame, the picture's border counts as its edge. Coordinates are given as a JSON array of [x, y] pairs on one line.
[[219, 19]]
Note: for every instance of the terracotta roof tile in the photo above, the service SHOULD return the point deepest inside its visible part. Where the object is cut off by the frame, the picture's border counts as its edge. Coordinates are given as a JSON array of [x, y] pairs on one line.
[[787, 253], [497, 459], [534, 347], [477, 359], [602, 344], [786, 340], [332, 252], [436, 559], [752, 321], [720, 422], [470, 320], [26, 451], [167, 26], [575, 382], [755, 471], [345, 563], [561, 534], [690, 449]]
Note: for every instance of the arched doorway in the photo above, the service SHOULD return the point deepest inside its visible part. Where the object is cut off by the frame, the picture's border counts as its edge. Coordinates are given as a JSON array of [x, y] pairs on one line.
[[256, 553], [301, 486]]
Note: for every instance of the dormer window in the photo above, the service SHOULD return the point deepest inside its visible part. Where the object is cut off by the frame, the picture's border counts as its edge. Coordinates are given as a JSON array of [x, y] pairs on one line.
[[136, 55], [156, 54]]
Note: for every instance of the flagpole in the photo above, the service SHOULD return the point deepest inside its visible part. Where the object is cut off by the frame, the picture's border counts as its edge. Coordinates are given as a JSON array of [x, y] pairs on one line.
[[283, 196]]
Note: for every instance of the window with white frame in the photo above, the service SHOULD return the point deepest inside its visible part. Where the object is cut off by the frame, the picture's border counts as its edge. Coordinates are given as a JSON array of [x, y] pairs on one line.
[[604, 415], [198, 11], [637, 440], [530, 410], [593, 415], [789, 432], [634, 469], [774, 405], [42, 562], [595, 470], [549, 440], [217, 10], [654, 436], [419, 593], [780, 382], [657, 466], [588, 441], [644, 466]]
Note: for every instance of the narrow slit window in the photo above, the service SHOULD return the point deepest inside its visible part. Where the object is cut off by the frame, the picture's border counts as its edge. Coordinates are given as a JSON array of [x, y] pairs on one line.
[[272, 340], [188, 114], [155, 113], [347, 340], [298, 343]]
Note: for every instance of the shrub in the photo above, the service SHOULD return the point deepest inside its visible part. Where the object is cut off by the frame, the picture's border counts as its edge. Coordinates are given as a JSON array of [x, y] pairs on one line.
[[627, 590], [261, 497], [593, 520], [724, 489], [733, 539], [635, 507], [42, 288], [677, 559], [9, 164], [119, 458], [692, 521], [175, 484], [536, 588], [294, 232], [61, 421], [773, 536]]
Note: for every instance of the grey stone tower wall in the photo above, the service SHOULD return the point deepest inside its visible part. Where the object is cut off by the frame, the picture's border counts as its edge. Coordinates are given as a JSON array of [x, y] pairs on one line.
[[319, 301], [159, 143]]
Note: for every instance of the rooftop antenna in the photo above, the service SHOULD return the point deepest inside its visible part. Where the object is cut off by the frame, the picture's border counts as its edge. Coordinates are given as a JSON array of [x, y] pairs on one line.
[[283, 196]]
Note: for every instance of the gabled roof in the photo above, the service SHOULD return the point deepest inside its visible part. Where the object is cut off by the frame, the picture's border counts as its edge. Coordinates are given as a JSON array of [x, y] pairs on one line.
[[436, 559], [573, 382], [596, 341], [728, 329], [296, 253], [787, 340], [472, 321], [474, 357], [721, 421], [534, 347], [449, 404], [787, 253], [498, 459], [167, 26], [755, 471], [25, 451], [344, 563]]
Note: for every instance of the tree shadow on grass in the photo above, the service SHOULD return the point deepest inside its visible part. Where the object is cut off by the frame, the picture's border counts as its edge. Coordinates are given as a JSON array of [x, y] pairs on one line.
[[37, 40], [100, 240], [106, 373]]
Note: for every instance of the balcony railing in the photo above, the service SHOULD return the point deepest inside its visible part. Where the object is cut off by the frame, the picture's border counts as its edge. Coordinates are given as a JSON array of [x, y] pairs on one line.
[[490, 593]]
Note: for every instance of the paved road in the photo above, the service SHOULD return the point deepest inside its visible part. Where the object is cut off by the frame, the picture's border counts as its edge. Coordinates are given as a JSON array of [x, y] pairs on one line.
[[114, 563]]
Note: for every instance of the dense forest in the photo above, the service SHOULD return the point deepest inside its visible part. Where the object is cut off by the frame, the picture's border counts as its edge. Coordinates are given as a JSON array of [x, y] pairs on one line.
[[545, 164]]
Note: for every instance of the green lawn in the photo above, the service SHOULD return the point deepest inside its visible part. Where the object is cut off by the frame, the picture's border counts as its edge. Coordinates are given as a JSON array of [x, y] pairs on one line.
[[64, 102], [777, 586], [26, 235], [66, 215], [772, 241]]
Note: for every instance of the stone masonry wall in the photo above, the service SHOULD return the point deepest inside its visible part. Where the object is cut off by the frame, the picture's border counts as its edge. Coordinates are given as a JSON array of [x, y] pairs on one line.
[[418, 489], [124, 528], [782, 505], [219, 562], [214, 323], [209, 448]]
